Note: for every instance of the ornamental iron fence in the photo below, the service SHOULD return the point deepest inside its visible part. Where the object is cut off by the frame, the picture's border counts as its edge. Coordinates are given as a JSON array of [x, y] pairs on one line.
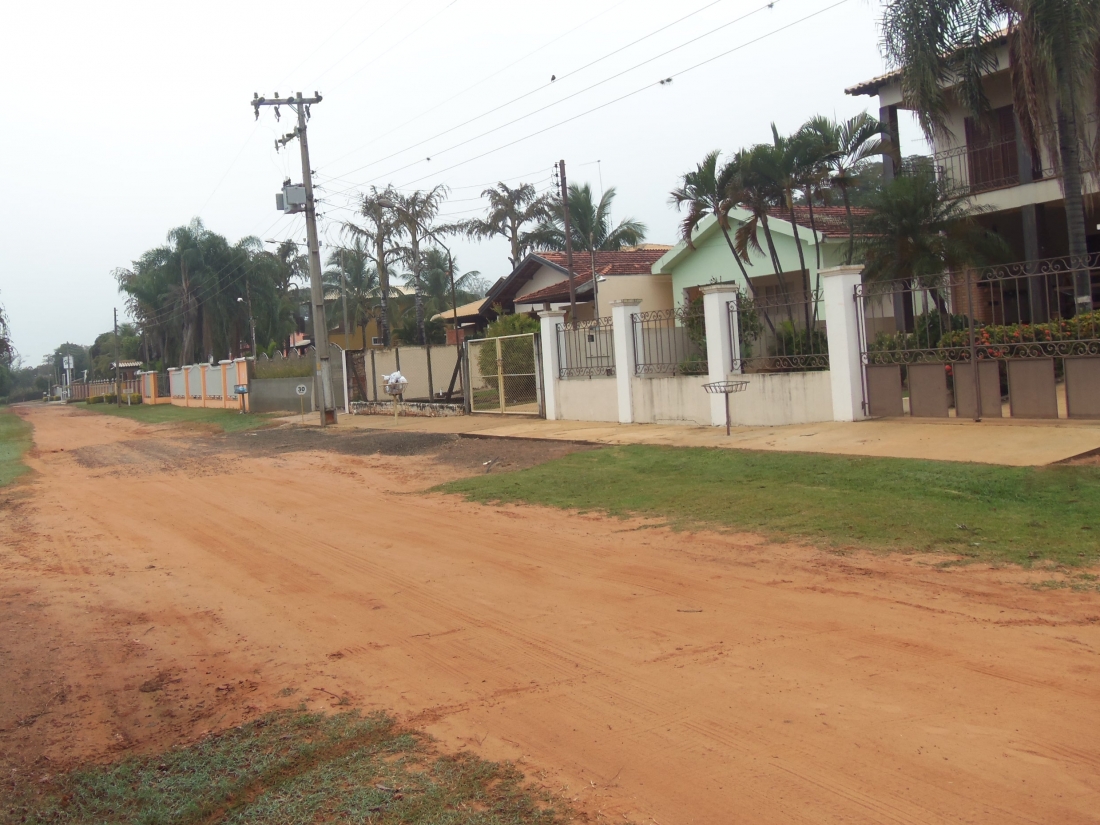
[[1028, 327], [778, 334], [670, 341], [586, 348]]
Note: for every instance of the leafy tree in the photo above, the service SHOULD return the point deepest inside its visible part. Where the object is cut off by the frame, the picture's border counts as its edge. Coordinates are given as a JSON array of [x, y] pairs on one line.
[[916, 231], [590, 224], [944, 48], [436, 279], [510, 211], [7, 351]]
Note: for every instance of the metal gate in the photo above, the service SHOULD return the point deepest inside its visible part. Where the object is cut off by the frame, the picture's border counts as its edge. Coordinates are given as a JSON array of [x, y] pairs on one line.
[[1002, 341], [505, 375]]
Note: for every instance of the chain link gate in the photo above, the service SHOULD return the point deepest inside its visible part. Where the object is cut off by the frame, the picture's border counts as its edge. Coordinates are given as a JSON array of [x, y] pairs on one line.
[[504, 373]]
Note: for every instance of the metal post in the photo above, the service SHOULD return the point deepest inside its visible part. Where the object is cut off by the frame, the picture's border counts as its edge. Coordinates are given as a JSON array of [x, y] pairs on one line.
[[251, 318], [595, 283], [118, 374], [568, 243], [500, 376], [973, 348]]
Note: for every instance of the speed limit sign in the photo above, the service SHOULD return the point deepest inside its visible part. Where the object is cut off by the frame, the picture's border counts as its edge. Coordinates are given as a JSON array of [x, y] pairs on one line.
[[301, 389]]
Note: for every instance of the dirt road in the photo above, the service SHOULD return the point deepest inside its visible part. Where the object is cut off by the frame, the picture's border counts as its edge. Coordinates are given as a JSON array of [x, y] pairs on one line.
[[157, 584]]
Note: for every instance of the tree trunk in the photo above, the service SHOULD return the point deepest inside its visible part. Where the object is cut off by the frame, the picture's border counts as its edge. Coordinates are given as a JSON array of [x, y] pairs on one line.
[[515, 245], [851, 224], [736, 257], [383, 284], [801, 260], [418, 296], [1070, 149], [778, 267]]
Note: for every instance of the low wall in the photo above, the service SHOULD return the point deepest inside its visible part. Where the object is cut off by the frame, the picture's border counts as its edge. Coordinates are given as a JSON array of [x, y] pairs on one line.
[[673, 399], [774, 399], [269, 395], [414, 409], [588, 399]]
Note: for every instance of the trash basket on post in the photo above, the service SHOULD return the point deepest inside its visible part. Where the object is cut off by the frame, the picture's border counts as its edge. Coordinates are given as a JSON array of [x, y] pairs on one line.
[[394, 386], [726, 388]]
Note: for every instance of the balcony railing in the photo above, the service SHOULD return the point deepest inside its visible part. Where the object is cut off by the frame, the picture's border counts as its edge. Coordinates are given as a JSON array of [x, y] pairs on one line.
[[972, 169]]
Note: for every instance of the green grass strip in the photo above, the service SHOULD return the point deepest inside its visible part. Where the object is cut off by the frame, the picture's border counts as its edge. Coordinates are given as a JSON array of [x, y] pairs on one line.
[[1014, 514], [292, 768], [229, 421], [15, 439]]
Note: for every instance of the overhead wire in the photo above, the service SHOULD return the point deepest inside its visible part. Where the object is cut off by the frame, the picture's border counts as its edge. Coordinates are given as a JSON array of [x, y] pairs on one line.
[[638, 91], [551, 105], [527, 55], [527, 94]]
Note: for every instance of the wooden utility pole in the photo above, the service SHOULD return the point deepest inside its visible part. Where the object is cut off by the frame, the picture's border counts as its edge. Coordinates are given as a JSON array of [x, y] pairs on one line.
[[118, 374], [317, 294], [568, 243]]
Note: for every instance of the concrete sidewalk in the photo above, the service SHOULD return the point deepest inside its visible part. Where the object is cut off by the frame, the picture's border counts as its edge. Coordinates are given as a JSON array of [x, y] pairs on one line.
[[1013, 443]]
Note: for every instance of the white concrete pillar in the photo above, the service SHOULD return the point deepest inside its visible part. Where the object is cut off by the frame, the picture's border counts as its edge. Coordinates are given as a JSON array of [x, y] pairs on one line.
[[549, 320], [623, 336], [842, 326], [721, 343]]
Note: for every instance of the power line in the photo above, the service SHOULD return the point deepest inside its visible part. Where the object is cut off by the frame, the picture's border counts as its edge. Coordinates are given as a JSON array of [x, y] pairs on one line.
[[371, 34], [472, 86], [575, 94], [631, 94], [553, 104], [324, 42]]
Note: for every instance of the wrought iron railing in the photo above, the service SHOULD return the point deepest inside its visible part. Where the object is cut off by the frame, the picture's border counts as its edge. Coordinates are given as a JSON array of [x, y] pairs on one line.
[[670, 341], [782, 334], [586, 349], [1032, 309]]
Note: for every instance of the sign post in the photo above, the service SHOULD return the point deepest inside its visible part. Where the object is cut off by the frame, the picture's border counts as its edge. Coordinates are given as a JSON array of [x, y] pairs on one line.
[[301, 389]]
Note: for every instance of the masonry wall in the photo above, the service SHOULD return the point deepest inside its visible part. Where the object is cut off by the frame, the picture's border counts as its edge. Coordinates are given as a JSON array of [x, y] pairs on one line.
[[775, 399], [674, 399], [588, 399]]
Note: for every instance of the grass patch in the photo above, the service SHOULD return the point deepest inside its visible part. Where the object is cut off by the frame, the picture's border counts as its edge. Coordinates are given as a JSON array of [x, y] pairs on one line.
[[15, 439], [229, 421], [289, 768], [1016, 514]]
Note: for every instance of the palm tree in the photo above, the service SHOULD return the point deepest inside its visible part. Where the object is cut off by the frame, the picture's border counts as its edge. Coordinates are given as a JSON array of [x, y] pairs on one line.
[[788, 167], [851, 144], [916, 232], [510, 210], [945, 47], [351, 272], [757, 173], [590, 224], [709, 191], [436, 277], [379, 235], [416, 213]]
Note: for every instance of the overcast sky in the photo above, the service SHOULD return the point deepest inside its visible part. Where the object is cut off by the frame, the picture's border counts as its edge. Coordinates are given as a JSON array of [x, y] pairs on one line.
[[125, 119]]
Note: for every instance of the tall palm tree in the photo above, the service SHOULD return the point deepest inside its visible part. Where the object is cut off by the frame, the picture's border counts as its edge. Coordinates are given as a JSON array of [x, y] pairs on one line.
[[709, 190], [788, 167], [510, 211], [945, 47], [350, 270], [852, 144], [380, 235], [590, 224], [758, 174], [436, 276], [917, 232], [416, 213]]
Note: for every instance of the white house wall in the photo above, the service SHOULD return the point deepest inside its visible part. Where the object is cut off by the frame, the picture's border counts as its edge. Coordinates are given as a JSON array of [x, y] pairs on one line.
[[588, 399], [674, 399], [775, 399]]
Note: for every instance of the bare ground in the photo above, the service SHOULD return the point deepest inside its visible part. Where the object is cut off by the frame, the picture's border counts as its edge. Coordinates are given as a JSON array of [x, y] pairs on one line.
[[155, 585]]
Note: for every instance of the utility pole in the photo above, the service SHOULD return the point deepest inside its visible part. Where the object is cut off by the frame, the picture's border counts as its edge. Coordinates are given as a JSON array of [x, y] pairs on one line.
[[568, 244], [118, 374], [251, 318], [317, 294]]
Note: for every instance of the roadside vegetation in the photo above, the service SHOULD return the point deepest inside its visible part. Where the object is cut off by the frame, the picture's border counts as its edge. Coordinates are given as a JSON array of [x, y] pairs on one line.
[[227, 421], [15, 439], [290, 768], [1011, 514]]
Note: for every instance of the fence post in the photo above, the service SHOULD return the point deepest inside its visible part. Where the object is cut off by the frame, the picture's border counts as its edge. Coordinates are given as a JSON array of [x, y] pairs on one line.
[[548, 321], [225, 382], [716, 316], [622, 333], [842, 328]]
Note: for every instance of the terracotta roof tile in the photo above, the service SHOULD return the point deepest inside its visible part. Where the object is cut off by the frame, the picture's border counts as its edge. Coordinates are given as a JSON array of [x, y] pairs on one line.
[[626, 262]]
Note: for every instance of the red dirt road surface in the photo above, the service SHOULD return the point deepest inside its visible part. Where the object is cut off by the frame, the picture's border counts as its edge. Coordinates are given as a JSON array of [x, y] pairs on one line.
[[156, 584]]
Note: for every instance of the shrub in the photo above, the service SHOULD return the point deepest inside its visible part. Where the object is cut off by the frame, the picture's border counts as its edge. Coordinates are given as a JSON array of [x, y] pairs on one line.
[[95, 399], [517, 354]]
